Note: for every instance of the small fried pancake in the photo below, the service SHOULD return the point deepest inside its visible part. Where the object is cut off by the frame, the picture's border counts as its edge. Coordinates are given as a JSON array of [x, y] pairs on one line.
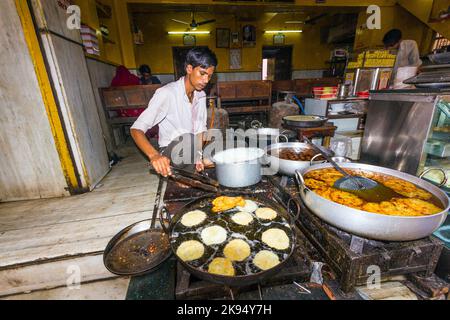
[[266, 213], [242, 218], [372, 207], [407, 189], [224, 203], [266, 259], [237, 250], [346, 198], [420, 206], [250, 206], [193, 218], [221, 266], [190, 250], [275, 238], [315, 184], [325, 193], [214, 235]]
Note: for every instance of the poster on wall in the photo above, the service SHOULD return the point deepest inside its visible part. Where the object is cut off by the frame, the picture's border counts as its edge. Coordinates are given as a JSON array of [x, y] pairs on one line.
[[235, 40], [249, 36], [222, 38], [235, 59]]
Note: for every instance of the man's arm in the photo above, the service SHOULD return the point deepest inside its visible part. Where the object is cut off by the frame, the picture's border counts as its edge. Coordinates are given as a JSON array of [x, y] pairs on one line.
[[160, 163]]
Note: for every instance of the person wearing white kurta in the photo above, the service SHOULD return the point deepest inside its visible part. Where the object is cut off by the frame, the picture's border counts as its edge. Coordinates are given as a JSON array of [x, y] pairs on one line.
[[179, 108]]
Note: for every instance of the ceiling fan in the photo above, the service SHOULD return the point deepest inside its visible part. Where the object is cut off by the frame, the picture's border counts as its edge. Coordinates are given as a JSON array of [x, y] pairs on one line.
[[194, 24]]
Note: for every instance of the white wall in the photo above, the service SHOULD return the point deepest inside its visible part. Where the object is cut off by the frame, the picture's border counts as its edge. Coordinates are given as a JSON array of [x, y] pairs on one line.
[[29, 163]]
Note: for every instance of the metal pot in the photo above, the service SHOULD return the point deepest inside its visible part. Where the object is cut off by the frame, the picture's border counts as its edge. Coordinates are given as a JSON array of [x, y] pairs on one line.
[[288, 167], [373, 225], [238, 280], [239, 167], [305, 121], [262, 137]]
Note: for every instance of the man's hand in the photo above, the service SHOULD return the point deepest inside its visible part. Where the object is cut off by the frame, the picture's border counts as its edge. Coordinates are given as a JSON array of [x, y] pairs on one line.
[[161, 164], [199, 166]]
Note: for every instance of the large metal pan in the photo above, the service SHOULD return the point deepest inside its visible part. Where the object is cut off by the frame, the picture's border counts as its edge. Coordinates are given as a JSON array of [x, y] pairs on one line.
[[238, 280], [305, 121], [288, 167], [373, 225]]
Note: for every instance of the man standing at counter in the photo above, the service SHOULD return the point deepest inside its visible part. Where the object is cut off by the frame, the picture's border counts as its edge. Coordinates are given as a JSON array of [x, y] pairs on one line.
[[408, 51], [179, 108]]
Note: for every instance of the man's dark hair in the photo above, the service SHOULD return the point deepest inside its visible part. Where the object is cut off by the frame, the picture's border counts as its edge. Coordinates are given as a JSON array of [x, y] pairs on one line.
[[200, 57], [392, 37], [145, 69]]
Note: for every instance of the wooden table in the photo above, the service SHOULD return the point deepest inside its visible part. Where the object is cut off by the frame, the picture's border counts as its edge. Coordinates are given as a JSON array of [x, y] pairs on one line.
[[326, 132]]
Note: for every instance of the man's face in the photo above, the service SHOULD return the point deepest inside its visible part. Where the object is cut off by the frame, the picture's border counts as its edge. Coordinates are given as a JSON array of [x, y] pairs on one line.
[[393, 47], [146, 75], [199, 77]]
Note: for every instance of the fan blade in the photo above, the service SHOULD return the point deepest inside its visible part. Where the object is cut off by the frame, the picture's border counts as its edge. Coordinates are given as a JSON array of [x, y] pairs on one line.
[[179, 21], [206, 21], [314, 19]]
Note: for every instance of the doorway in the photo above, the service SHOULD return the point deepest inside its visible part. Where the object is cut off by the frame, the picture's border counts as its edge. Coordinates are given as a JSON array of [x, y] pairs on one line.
[[283, 60]]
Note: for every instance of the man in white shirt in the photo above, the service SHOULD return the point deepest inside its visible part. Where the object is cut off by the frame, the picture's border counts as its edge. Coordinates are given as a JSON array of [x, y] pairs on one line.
[[179, 108], [408, 51]]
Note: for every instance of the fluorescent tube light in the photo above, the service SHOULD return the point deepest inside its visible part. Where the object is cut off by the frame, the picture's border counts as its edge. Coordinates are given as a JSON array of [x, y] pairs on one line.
[[188, 32], [283, 31]]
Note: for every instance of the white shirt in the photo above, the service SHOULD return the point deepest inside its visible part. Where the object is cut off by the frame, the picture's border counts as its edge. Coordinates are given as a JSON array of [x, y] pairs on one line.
[[171, 109], [407, 56]]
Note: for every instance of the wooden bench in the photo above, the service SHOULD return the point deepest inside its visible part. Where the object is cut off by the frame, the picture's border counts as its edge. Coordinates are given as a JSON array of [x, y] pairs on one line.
[[129, 97], [245, 97]]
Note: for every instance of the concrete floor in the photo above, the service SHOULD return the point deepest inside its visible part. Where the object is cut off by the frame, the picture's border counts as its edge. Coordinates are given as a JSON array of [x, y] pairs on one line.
[[49, 246]]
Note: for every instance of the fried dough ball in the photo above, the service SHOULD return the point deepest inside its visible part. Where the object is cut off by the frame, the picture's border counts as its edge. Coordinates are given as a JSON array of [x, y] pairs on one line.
[[266, 259], [325, 193], [237, 250], [221, 266], [276, 238], [190, 250]]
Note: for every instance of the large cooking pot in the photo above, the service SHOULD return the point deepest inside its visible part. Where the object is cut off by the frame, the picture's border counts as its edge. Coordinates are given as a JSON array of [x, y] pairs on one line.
[[373, 225], [288, 167], [176, 236], [238, 167]]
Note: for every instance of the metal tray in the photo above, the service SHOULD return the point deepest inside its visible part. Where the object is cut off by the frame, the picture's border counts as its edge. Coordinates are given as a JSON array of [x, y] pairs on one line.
[[305, 121]]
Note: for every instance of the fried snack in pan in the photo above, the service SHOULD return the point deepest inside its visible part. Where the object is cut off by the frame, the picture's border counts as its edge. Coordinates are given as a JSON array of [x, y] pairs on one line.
[[266, 213], [265, 260], [315, 184], [224, 203], [275, 238], [193, 218], [407, 189], [420, 206], [242, 218], [250, 206], [190, 250], [214, 235], [237, 250], [346, 198], [221, 266]]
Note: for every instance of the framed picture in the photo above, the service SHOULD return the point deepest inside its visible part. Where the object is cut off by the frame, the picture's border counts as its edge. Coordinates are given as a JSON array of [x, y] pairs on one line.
[[235, 41], [189, 40], [222, 38], [249, 36], [278, 39]]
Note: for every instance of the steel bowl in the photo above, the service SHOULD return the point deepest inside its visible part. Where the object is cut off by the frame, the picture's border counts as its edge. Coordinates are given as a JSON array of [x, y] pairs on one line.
[[288, 167], [374, 225]]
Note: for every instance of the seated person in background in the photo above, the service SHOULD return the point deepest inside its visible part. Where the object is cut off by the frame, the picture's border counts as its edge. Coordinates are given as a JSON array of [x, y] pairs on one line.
[[124, 78], [180, 110], [146, 75]]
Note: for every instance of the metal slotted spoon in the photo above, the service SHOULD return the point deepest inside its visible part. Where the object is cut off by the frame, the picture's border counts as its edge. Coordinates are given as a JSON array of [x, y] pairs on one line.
[[363, 187]]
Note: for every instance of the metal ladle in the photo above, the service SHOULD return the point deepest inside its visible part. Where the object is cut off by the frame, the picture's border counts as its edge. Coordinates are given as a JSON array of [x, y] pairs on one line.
[[363, 187]]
